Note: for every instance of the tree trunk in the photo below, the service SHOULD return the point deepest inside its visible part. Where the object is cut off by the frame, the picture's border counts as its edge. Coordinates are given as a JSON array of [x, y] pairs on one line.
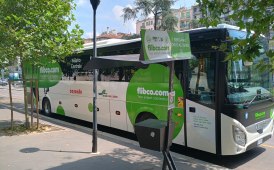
[[155, 21], [11, 106], [198, 77], [37, 101], [25, 97], [31, 103], [31, 97]]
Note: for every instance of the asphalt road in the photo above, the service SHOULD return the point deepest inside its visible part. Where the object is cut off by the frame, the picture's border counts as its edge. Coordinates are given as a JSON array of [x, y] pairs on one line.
[[258, 158], [17, 96]]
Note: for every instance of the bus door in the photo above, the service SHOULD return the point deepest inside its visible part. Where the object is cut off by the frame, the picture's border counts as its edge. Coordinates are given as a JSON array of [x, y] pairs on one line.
[[200, 102]]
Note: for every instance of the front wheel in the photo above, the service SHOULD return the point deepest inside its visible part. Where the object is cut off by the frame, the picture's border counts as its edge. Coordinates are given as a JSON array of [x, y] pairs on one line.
[[46, 107]]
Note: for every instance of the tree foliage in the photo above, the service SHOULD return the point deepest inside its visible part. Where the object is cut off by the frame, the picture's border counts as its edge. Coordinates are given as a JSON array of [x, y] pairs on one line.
[[35, 29], [194, 23], [252, 15], [158, 8], [133, 36], [169, 21]]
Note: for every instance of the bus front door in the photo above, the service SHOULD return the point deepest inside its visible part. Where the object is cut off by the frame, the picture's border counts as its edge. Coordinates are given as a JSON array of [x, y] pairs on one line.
[[200, 103]]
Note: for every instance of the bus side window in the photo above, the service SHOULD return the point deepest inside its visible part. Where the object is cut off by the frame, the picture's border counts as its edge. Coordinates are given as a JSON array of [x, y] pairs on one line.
[[129, 72], [119, 74], [201, 80]]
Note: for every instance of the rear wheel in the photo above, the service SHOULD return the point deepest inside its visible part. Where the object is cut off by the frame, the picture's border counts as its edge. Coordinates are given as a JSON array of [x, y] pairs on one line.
[[144, 116], [46, 106]]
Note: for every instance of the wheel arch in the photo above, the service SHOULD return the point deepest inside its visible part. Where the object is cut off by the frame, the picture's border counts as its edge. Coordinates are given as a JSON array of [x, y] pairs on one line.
[[145, 115], [142, 110]]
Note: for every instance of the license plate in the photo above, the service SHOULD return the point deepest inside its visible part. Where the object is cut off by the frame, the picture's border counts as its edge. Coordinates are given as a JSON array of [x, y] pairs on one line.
[[260, 141]]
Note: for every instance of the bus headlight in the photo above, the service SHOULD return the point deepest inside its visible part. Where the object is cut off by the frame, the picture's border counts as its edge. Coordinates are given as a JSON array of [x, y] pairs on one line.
[[239, 136]]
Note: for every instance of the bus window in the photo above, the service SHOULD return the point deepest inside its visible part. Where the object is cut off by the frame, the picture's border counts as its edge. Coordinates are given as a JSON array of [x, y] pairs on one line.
[[72, 68], [201, 82], [245, 83], [119, 74]]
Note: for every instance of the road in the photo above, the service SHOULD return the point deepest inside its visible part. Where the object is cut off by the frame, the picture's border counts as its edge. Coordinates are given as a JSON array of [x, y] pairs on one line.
[[258, 158], [17, 96]]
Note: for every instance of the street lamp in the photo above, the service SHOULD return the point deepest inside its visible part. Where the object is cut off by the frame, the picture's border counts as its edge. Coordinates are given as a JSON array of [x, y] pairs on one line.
[[94, 4]]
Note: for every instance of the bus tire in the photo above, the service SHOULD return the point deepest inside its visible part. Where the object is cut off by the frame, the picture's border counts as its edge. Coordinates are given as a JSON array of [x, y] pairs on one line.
[[46, 106], [144, 116]]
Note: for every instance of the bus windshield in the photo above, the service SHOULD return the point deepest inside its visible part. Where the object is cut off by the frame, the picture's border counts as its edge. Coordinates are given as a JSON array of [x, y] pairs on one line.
[[245, 83]]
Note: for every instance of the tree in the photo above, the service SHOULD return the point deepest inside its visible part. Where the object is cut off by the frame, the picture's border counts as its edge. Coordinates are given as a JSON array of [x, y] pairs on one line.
[[133, 36], [157, 8], [252, 15], [33, 30], [194, 23], [169, 21]]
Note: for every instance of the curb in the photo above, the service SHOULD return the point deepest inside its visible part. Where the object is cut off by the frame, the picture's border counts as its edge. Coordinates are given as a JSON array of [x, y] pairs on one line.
[[76, 127]]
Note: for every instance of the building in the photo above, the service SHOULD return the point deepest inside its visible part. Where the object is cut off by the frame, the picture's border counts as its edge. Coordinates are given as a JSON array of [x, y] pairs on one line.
[[196, 12], [184, 19], [147, 24], [112, 34], [183, 15]]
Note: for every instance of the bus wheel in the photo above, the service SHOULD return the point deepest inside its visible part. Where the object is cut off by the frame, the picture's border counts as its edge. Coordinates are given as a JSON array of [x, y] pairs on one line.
[[46, 107], [144, 116]]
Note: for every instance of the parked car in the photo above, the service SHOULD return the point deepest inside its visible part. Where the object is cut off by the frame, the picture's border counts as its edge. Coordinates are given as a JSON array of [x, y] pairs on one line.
[[3, 82], [18, 83]]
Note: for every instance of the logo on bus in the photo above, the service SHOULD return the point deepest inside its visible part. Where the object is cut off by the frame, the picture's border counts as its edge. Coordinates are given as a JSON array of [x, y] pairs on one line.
[[105, 94], [75, 91], [259, 115]]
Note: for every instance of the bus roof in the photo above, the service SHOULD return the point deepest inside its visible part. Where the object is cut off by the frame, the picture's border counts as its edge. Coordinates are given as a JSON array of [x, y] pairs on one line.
[[108, 43], [117, 42], [219, 26]]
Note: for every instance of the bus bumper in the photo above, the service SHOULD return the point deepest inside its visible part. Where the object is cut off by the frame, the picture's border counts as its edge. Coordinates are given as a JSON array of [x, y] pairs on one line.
[[253, 138]]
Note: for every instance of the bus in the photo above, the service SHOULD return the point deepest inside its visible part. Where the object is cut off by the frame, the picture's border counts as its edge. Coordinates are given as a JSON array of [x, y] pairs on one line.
[[222, 106]]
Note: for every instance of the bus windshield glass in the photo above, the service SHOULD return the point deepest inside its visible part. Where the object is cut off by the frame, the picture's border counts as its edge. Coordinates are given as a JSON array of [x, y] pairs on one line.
[[246, 84]]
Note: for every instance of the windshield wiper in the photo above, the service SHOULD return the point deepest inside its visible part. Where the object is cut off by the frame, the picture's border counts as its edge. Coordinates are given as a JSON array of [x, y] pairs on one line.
[[246, 105]]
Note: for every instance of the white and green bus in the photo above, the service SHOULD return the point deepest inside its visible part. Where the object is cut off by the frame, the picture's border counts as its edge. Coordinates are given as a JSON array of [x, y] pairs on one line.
[[222, 107]]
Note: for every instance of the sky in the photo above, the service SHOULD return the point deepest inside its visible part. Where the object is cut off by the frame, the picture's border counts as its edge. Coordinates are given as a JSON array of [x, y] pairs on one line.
[[108, 14]]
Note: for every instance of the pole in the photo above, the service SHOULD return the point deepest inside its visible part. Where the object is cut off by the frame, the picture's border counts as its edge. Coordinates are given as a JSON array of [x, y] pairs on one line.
[[169, 121], [168, 161], [94, 134]]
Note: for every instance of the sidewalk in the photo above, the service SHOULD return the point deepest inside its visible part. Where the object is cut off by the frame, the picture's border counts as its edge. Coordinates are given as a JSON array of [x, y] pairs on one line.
[[70, 148]]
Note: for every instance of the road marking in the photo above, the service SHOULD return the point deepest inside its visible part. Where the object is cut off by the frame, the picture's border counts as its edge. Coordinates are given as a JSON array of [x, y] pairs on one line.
[[267, 146]]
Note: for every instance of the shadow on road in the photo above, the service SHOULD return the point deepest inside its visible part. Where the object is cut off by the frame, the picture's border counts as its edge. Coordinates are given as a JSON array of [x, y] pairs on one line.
[[235, 161], [33, 150], [123, 159], [15, 105], [7, 123], [230, 162]]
